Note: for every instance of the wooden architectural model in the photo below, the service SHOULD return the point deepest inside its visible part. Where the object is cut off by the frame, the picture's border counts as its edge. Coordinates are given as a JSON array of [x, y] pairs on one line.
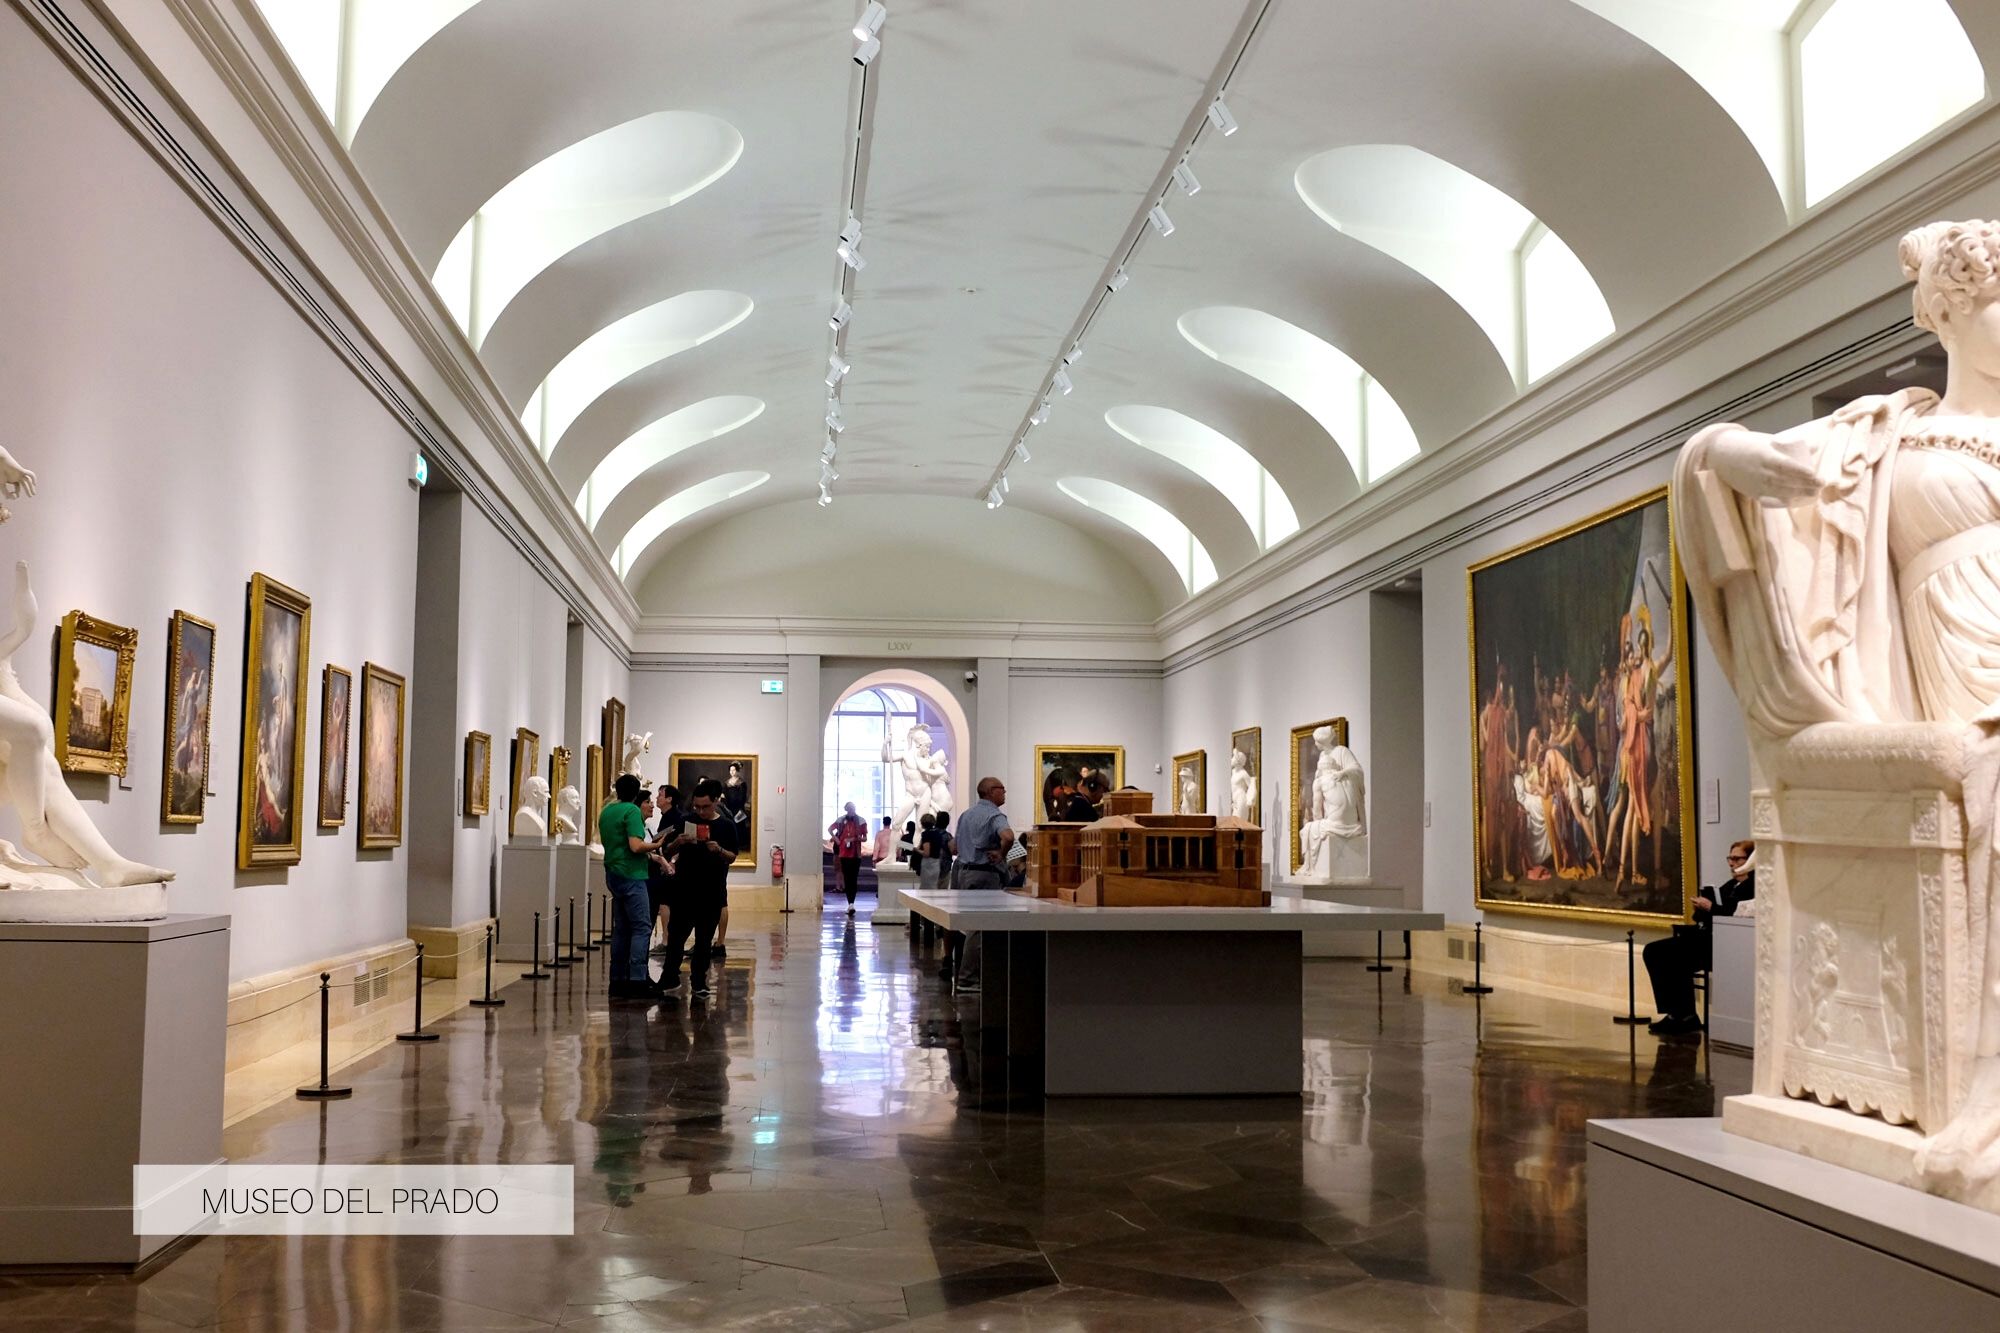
[[1158, 861], [1127, 801], [1055, 860]]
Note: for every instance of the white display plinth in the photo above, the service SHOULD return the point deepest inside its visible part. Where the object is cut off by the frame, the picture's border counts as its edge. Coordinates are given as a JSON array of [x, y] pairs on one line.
[[1862, 1253], [527, 886], [574, 878], [891, 879], [114, 1037], [1367, 894], [1732, 982]]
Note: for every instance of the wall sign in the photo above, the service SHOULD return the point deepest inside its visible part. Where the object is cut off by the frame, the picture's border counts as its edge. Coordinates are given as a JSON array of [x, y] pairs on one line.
[[774, 687]]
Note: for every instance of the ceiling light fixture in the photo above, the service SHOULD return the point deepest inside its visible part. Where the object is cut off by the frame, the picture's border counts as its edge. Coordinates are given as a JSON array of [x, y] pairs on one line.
[[1218, 116], [835, 422], [994, 499], [871, 21], [850, 256], [1021, 454], [836, 370], [870, 48], [1161, 222], [842, 312], [826, 472], [1041, 415], [1062, 382], [1116, 282], [1184, 177], [829, 449], [1074, 355], [825, 497], [1006, 487]]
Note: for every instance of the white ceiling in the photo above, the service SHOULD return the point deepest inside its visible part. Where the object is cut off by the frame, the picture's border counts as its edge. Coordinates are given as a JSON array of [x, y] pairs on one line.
[[1010, 148]]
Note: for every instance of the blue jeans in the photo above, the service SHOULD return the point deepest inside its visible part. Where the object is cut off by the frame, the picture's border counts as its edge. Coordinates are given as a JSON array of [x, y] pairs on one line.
[[631, 928]]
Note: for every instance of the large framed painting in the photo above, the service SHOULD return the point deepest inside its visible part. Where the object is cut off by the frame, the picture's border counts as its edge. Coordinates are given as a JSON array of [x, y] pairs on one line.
[[1305, 763], [595, 789], [738, 775], [1246, 788], [1071, 764], [524, 756], [478, 783], [559, 759], [381, 795], [1580, 704], [93, 693], [612, 737], [190, 691], [269, 823], [336, 707], [1191, 783]]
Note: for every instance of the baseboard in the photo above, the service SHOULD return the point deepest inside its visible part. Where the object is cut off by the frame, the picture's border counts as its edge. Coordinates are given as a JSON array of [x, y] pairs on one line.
[[452, 951], [1560, 967], [270, 1013]]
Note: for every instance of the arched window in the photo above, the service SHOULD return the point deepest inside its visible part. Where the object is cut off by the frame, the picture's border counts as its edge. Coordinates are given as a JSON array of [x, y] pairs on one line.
[[855, 734]]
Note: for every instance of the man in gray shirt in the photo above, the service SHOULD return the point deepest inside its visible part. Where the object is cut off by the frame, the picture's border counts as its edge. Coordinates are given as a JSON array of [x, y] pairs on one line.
[[983, 838]]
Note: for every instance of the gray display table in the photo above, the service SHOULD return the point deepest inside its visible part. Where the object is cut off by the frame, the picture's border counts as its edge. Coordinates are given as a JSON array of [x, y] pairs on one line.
[[114, 1040], [1142, 1001], [1732, 982], [1695, 1228]]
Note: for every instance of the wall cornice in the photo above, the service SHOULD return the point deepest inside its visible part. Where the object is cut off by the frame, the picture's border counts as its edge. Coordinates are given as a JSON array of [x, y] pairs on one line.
[[888, 640]]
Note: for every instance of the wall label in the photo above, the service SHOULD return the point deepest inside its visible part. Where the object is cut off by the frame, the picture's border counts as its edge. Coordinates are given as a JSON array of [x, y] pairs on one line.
[[773, 687]]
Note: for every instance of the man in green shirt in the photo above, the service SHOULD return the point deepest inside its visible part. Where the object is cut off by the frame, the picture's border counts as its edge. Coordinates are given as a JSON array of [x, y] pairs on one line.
[[622, 830]]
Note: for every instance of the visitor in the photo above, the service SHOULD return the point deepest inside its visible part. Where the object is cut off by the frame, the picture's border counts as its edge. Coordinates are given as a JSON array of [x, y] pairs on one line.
[[703, 853], [906, 846], [666, 825], [1673, 961], [666, 808], [1086, 799], [929, 856], [848, 833], [1014, 870], [983, 838], [944, 848], [885, 843], [621, 827]]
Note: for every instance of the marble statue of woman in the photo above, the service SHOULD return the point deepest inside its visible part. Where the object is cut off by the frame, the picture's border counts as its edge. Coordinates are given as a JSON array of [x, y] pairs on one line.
[[1242, 787], [636, 745], [569, 817], [1190, 793], [1316, 822], [1848, 573], [926, 775], [529, 825]]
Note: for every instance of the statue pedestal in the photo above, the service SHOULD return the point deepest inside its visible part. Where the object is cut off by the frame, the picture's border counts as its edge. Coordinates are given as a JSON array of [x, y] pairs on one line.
[[115, 1036], [1363, 893], [527, 886], [891, 878], [573, 879]]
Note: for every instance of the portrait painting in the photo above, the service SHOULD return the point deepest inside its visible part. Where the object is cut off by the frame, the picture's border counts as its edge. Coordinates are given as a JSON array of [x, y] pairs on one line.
[[1580, 712], [190, 690], [612, 738], [1246, 792], [93, 693], [595, 788], [336, 703], [1191, 783], [381, 794], [524, 757], [1306, 760], [478, 782], [1063, 767], [269, 826], [738, 775], [559, 760]]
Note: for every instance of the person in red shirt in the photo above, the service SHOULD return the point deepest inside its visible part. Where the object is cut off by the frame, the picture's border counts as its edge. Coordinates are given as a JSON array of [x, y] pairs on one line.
[[848, 833]]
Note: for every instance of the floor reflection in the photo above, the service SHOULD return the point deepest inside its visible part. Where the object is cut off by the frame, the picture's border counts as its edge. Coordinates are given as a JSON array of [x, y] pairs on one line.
[[801, 1152]]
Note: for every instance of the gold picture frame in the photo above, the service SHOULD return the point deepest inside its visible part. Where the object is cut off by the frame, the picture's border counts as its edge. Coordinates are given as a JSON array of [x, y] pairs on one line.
[[611, 735], [272, 773], [524, 756], [558, 778], [739, 801], [478, 796], [336, 714], [1196, 760], [1250, 740], [1301, 779], [593, 780], [1551, 577], [93, 656], [1049, 758], [380, 796], [185, 754]]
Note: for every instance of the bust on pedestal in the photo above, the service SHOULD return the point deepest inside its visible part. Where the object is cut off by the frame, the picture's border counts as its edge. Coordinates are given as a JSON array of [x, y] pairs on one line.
[[569, 815], [529, 826]]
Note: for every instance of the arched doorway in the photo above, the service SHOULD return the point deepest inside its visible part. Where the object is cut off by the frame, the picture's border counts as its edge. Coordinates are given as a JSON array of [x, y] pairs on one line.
[[880, 709]]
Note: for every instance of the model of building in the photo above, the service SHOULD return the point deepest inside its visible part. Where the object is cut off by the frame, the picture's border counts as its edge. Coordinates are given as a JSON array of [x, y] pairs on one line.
[[1055, 860], [1166, 861]]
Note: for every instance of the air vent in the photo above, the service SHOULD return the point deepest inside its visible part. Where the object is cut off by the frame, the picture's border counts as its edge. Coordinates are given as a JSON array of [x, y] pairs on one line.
[[371, 981]]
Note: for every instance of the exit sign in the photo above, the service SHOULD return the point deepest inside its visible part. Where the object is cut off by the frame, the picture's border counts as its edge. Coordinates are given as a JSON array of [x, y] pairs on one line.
[[774, 687]]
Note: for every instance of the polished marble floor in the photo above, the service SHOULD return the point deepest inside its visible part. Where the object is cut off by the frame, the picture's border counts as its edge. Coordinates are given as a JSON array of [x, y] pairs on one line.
[[800, 1153]]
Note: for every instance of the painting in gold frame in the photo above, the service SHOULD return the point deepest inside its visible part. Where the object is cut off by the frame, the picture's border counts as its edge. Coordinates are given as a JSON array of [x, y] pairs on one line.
[[524, 756], [1074, 761], [478, 780], [190, 693], [558, 779], [738, 775], [93, 693], [381, 793], [1305, 759], [1190, 784], [612, 738], [1582, 795], [269, 822], [594, 790], [336, 710], [1249, 741]]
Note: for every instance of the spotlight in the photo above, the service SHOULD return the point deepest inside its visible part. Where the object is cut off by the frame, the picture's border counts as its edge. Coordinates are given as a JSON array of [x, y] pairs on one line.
[[1062, 382], [1218, 116], [1006, 487], [836, 370], [994, 499], [835, 422], [1116, 282], [1161, 222], [851, 232], [829, 449], [1184, 177], [870, 48], [871, 20], [825, 498], [842, 312], [1074, 355], [850, 256], [1021, 454], [826, 473], [1041, 416]]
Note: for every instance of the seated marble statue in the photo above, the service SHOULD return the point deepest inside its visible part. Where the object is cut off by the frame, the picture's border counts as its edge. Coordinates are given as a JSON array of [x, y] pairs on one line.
[[529, 825], [1848, 574], [569, 817], [1336, 836]]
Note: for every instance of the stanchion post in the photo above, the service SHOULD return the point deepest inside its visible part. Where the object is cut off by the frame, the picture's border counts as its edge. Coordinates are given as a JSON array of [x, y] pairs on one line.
[[555, 944], [1378, 965], [1630, 1018], [416, 1032], [487, 1001], [1478, 986], [534, 972], [572, 930], [590, 944], [324, 1091]]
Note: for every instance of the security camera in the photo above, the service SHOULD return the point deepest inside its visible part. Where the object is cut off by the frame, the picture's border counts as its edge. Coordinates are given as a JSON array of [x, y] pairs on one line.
[[972, 678]]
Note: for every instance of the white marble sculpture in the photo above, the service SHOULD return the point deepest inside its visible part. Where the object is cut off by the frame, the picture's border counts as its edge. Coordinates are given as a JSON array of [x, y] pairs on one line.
[[529, 826], [1848, 574], [1190, 790], [83, 878], [1242, 787], [569, 817], [1334, 832], [926, 775], [637, 745]]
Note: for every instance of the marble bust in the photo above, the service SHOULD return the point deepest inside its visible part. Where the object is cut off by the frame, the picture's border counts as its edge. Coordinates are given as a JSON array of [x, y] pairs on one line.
[[1334, 833], [1848, 574], [529, 825], [637, 745], [926, 775], [569, 817], [1242, 787]]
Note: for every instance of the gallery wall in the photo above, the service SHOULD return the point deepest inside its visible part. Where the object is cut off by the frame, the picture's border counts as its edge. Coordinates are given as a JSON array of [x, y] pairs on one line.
[[696, 707], [1081, 704]]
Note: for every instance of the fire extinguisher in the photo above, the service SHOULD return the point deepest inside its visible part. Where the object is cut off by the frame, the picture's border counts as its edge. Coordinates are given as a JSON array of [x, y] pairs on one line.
[[777, 864]]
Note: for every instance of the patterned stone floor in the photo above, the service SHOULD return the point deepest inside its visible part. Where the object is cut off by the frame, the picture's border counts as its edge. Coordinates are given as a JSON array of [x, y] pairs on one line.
[[799, 1154]]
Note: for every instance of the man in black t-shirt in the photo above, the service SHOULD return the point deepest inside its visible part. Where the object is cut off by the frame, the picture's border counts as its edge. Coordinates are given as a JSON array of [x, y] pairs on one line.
[[703, 852], [668, 822]]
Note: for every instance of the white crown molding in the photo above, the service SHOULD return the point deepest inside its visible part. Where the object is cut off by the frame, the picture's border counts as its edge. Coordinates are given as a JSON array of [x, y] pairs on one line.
[[853, 636]]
